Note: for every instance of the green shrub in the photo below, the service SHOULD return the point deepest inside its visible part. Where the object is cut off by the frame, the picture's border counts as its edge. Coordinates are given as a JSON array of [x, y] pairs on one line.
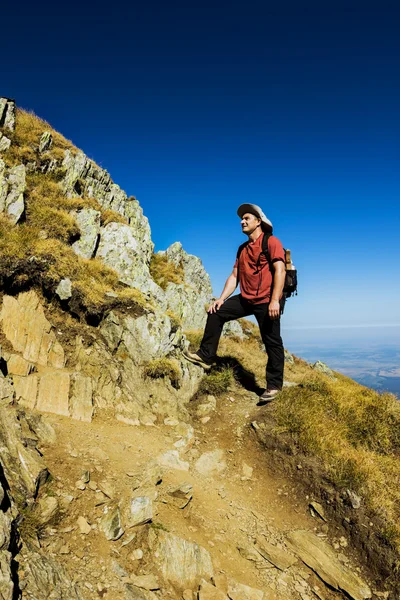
[[217, 382]]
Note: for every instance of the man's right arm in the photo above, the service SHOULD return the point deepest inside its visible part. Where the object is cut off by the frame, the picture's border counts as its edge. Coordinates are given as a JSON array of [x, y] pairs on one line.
[[229, 287]]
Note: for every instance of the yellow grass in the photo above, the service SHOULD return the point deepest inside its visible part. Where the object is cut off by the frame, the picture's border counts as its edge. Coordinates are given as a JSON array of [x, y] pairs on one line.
[[111, 216], [25, 140], [164, 271], [355, 431], [163, 367]]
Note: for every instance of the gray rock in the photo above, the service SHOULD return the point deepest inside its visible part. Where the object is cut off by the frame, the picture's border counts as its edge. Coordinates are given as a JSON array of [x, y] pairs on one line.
[[172, 460], [7, 113], [146, 582], [320, 557], [5, 143], [354, 499], [189, 299], [141, 511], [44, 577], [111, 524], [81, 397], [182, 495], [281, 559], [48, 509], [121, 249], [205, 408], [64, 289], [6, 582], [211, 462], [317, 509], [12, 187], [98, 184], [46, 141], [323, 368], [88, 220], [234, 329], [208, 592], [39, 426], [133, 592], [23, 467], [289, 360], [182, 563], [239, 591]]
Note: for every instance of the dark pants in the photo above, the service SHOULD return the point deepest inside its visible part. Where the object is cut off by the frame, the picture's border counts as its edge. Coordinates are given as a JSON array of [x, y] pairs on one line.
[[237, 307]]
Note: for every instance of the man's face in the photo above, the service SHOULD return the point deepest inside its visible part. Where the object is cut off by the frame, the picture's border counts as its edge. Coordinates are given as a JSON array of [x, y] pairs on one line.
[[249, 223]]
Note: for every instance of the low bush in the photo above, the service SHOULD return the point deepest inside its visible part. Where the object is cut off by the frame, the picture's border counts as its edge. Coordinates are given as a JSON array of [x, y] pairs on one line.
[[217, 382]]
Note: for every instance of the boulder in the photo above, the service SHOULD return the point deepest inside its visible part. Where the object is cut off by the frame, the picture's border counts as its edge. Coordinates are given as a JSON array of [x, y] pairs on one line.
[[121, 250], [12, 188], [321, 558], [239, 591], [44, 577], [81, 397], [88, 220], [23, 466], [99, 185], [183, 564], [110, 524], [141, 511], [323, 368], [25, 326], [5, 143], [209, 592], [211, 462], [64, 289], [7, 113], [46, 141]]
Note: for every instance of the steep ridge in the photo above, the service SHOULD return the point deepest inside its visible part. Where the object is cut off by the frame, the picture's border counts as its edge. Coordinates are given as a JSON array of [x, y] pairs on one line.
[[126, 473]]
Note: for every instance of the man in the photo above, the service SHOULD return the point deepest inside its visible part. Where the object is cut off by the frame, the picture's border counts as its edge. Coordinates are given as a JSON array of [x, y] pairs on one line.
[[261, 284]]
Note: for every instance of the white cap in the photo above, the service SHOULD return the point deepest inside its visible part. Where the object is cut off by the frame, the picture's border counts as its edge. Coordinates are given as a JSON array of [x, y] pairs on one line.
[[257, 211]]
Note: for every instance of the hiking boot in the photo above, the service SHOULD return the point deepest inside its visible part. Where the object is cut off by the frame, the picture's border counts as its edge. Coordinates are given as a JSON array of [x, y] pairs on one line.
[[194, 358], [267, 396]]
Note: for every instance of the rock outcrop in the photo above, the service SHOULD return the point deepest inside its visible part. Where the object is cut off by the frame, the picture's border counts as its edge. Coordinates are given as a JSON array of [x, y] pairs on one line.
[[109, 373]]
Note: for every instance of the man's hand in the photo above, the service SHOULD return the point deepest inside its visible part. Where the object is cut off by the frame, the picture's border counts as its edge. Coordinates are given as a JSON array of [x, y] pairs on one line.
[[215, 305], [274, 310]]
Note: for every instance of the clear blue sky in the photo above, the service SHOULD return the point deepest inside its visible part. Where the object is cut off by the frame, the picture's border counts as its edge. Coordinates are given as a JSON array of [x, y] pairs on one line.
[[197, 107]]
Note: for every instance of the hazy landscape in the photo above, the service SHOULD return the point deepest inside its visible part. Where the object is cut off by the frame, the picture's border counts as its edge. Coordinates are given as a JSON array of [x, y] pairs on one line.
[[369, 355]]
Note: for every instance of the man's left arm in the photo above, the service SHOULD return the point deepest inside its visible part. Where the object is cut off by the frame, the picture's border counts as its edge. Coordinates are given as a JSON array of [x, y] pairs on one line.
[[279, 281]]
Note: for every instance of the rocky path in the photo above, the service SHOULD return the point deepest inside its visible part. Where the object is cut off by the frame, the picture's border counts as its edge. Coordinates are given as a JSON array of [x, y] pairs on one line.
[[188, 501]]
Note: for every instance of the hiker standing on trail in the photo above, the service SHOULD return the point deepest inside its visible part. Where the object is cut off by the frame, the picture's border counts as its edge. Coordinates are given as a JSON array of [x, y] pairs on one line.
[[261, 276]]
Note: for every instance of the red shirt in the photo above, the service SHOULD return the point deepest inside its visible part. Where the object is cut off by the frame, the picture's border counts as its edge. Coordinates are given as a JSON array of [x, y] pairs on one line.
[[255, 277]]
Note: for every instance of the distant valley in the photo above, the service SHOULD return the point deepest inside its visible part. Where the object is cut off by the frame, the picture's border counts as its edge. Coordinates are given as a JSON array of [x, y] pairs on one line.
[[368, 356]]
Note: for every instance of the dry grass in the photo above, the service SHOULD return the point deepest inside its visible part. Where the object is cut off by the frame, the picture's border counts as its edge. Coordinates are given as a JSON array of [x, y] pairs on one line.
[[176, 322], [50, 226], [111, 216], [164, 367], [194, 336], [356, 433], [25, 140], [217, 382], [164, 272], [90, 278]]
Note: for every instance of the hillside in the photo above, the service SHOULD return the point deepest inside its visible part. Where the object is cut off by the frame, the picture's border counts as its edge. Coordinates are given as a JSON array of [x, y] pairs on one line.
[[128, 473]]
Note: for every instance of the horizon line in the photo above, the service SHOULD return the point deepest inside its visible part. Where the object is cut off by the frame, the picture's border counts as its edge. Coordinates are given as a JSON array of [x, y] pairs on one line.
[[361, 326]]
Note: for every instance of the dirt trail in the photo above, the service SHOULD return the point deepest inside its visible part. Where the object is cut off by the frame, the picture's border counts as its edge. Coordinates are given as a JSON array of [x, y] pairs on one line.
[[229, 509]]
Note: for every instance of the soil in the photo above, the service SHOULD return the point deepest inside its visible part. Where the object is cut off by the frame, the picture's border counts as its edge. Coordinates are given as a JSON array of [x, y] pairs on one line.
[[227, 511]]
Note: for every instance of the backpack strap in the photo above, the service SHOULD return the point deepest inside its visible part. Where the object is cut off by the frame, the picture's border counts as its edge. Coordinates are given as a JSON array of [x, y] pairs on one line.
[[265, 251]]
